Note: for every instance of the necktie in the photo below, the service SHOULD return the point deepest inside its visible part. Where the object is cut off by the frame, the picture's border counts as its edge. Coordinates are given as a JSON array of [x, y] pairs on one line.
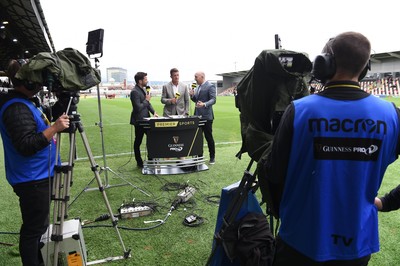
[[198, 91]]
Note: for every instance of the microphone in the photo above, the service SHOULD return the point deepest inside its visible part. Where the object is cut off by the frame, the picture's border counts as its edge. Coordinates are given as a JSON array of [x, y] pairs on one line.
[[194, 85], [177, 94], [148, 90]]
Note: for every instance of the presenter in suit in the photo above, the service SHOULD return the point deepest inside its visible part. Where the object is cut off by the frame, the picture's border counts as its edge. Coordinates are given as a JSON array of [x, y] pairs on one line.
[[141, 108], [205, 97], [175, 96]]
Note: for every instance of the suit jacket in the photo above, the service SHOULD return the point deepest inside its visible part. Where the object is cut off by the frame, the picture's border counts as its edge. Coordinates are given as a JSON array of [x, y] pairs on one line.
[[207, 95], [182, 104], [141, 108]]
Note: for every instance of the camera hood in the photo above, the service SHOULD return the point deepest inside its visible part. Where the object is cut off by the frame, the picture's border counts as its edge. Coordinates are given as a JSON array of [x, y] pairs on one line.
[[68, 69]]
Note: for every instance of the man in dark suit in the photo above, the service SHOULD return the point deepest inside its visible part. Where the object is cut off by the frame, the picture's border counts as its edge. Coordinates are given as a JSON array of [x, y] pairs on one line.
[[141, 108], [205, 97]]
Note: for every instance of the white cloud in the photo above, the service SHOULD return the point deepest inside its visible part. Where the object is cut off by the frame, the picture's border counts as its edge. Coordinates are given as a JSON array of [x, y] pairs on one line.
[[214, 36]]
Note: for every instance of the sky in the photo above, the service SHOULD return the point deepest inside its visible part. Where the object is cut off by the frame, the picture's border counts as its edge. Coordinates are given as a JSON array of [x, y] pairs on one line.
[[214, 36]]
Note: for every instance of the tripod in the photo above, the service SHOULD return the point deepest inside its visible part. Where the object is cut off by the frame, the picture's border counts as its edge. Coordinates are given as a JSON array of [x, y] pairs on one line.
[[105, 168], [61, 190]]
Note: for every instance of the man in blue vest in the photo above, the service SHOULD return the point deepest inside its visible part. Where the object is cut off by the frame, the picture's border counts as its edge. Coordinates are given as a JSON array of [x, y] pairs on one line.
[[328, 158], [29, 159]]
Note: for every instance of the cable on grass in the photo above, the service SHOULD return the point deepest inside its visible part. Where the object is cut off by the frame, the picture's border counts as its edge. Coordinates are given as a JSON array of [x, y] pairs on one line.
[[173, 186], [213, 199]]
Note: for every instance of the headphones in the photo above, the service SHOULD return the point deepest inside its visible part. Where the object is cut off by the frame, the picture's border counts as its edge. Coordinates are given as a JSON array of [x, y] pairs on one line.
[[324, 66], [29, 85]]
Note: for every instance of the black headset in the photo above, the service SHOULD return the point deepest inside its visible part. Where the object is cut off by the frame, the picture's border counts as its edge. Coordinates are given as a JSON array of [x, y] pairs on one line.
[[29, 85], [324, 66]]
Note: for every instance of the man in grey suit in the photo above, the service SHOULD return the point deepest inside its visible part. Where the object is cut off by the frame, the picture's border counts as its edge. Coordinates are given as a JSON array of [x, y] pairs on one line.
[[141, 108], [175, 96], [205, 97]]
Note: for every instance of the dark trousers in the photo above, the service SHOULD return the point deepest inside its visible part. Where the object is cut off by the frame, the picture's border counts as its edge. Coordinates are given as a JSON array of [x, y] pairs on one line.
[[34, 202], [286, 255], [139, 134], [207, 130]]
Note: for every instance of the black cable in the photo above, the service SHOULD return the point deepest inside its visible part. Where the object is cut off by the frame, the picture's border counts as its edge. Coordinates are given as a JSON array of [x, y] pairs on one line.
[[130, 157], [160, 222], [173, 186], [9, 233], [160, 178], [190, 204], [193, 220], [213, 199], [124, 228], [5, 243]]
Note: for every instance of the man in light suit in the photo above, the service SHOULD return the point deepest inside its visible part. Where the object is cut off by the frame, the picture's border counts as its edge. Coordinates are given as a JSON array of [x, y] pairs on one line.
[[205, 97], [175, 96], [141, 108]]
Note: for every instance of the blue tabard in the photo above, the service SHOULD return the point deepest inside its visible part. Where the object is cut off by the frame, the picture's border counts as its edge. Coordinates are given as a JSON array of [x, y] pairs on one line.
[[340, 151], [19, 168]]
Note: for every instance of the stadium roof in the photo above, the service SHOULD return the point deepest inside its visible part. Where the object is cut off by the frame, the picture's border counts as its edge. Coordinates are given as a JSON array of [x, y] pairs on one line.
[[375, 58], [382, 56], [23, 30], [233, 74]]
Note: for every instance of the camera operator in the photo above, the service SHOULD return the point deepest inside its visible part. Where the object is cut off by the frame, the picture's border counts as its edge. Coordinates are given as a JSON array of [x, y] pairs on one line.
[[27, 138], [389, 202], [327, 162]]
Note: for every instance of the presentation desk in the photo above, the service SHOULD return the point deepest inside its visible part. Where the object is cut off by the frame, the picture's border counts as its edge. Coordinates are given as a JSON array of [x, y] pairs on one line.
[[174, 145]]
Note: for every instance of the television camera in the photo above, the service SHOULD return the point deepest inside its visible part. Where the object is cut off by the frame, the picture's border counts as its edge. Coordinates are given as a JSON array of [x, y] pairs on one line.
[[64, 73]]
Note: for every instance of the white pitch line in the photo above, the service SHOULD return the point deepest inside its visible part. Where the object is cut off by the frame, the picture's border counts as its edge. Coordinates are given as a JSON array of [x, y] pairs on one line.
[[127, 153]]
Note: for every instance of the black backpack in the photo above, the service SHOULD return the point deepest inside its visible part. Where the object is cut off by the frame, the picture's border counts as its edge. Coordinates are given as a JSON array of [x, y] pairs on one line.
[[250, 240]]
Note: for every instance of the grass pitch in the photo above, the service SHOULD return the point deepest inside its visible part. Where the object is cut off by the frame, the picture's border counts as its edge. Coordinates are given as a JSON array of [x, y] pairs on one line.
[[171, 243]]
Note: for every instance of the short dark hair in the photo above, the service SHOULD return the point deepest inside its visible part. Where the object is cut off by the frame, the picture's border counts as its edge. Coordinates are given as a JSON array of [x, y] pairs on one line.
[[12, 69], [173, 70], [140, 76], [351, 51]]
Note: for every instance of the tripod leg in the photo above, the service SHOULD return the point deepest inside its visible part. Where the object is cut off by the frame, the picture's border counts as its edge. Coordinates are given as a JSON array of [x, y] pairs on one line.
[[105, 166], [132, 185], [60, 196], [101, 187], [56, 191], [80, 193]]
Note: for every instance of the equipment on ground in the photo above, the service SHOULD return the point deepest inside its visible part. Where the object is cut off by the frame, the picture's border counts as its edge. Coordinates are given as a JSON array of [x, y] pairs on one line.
[[61, 189], [128, 211], [186, 194], [239, 205], [72, 248]]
